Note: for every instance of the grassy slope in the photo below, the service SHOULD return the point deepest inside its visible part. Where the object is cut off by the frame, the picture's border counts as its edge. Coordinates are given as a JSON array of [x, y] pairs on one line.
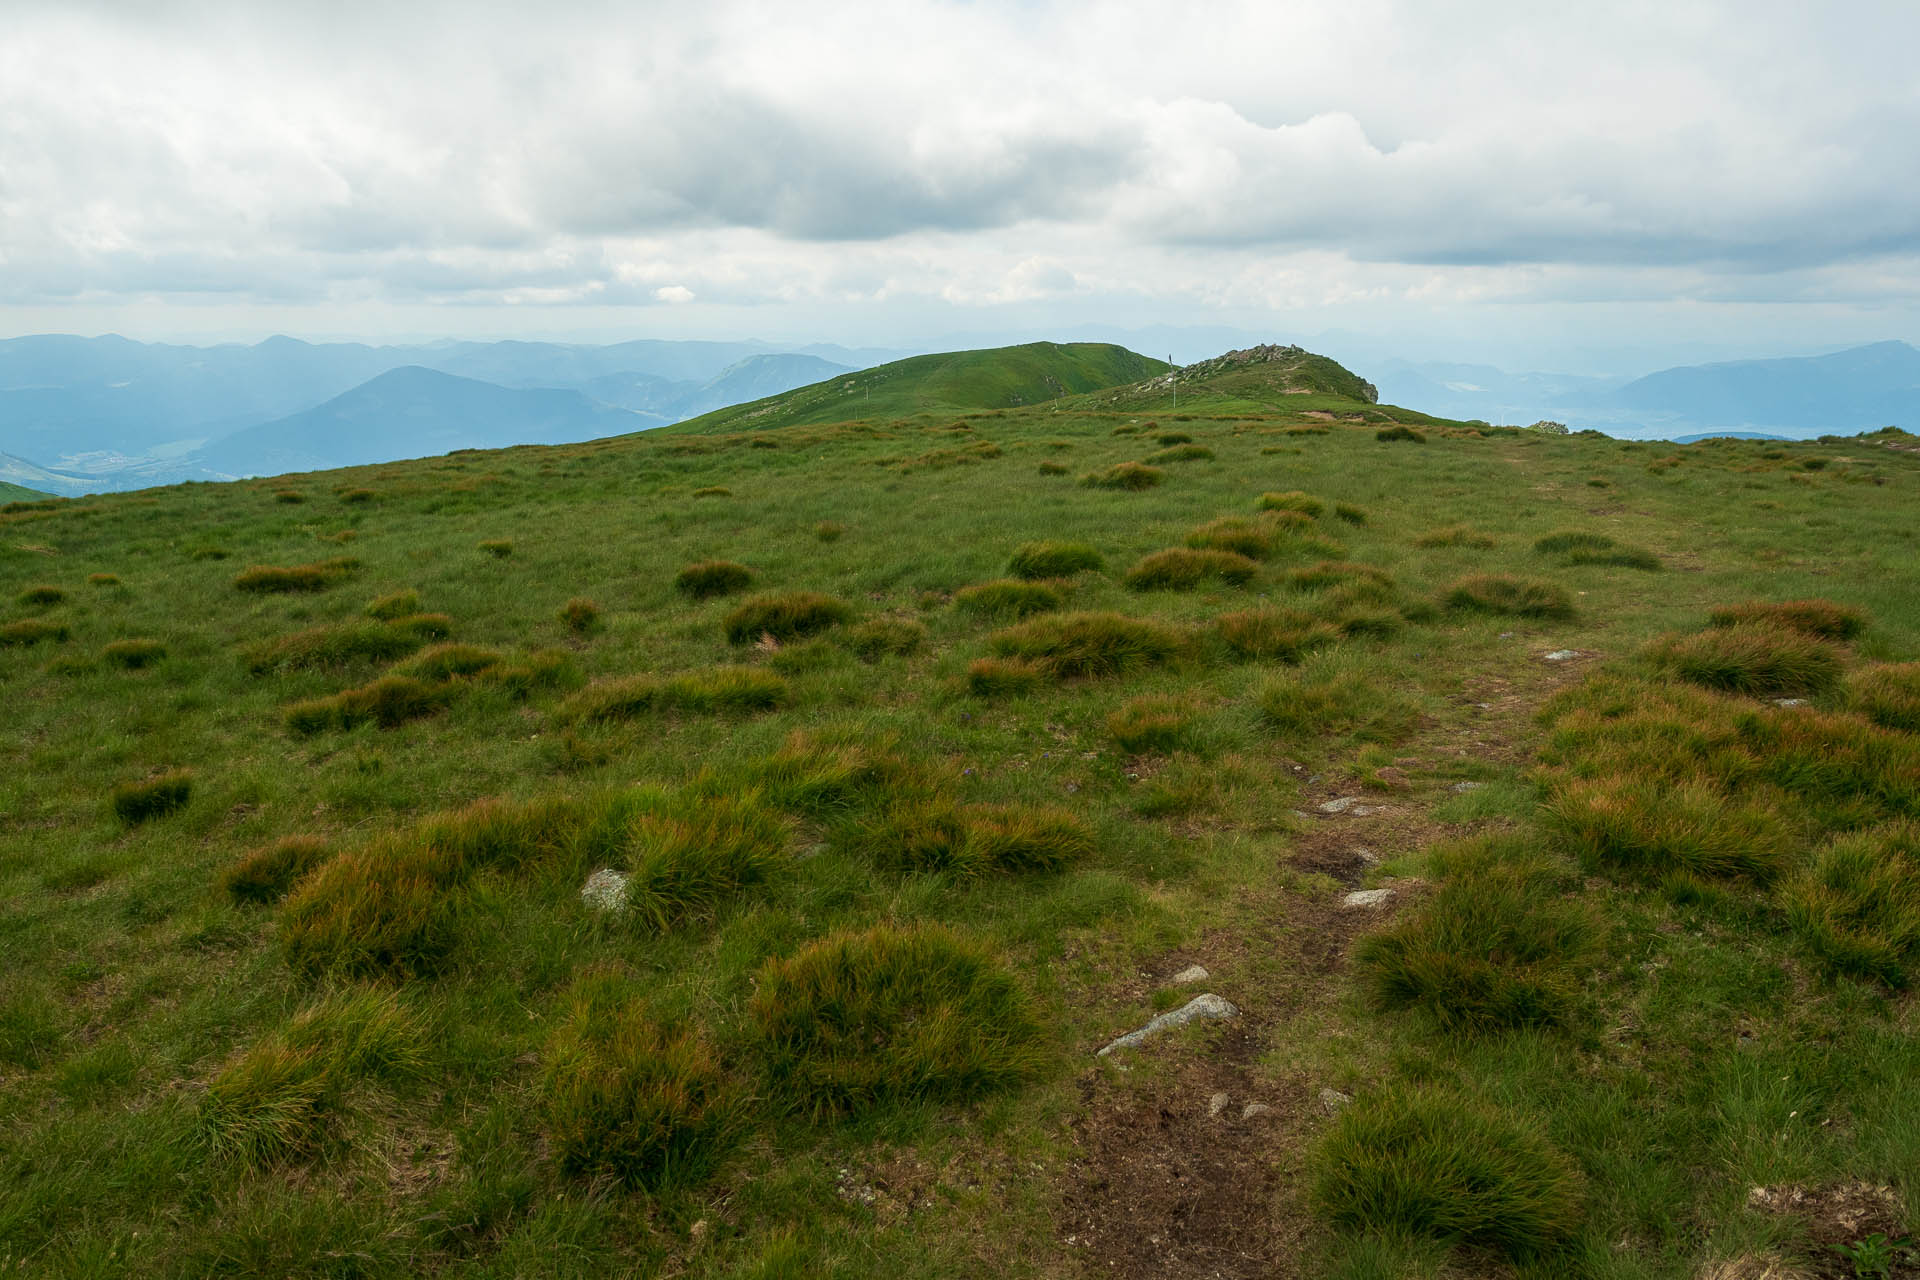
[[19, 493], [1716, 1062], [999, 378]]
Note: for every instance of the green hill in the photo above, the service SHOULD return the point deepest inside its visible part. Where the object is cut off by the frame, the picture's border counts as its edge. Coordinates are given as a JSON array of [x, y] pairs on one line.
[[1265, 378], [727, 855], [19, 493], [998, 378]]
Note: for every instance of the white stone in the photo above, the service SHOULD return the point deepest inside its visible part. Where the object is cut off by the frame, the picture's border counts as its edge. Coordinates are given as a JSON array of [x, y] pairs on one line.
[[1366, 898], [1561, 655], [1217, 1103], [1208, 1007], [1464, 787], [1340, 804], [1789, 702], [1192, 973], [1368, 810], [605, 890]]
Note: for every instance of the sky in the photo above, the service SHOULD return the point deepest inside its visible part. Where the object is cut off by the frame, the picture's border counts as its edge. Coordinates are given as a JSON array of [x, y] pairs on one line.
[[1530, 186]]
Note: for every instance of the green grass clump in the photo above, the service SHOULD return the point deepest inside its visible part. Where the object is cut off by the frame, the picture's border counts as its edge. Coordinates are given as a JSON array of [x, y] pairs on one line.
[[391, 908], [1338, 573], [150, 798], [822, 775], [581, 615], [1887, 693], [498, 548], [1857, 907], [630, 1096], [1332, 694], [1576, 546], [267, 579], [999, 677], [1051, 468], [103, 579], [1420, 1163], [1569, 541], [389, 702], [1753, 658], [877, 638], [1156, 722], [685, 860], [1821, 618], [321, 648], [133, 655], [1268, 634], [709, 578], [32, 631], [829, 530], [1171, 438], [1181, 453], [443, 662], [1502, 944], [41, 596], [1008, 598], [1455, 535], [1502, 593], [394, 606], [1124, 475], [1388, 435], [425, 626], [1067, 645], [736, 690], [928, 833], [1666, 831], [1348, 512], [267, 873], [356, 496], [1293, 500], [784, 617], [1184, 568], [1036, 560], [713, 491], [1250, 538], [897, 1013]]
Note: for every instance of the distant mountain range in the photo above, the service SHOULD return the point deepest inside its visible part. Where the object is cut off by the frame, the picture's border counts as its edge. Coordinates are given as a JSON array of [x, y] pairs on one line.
[[1861, 389], [81, 415]]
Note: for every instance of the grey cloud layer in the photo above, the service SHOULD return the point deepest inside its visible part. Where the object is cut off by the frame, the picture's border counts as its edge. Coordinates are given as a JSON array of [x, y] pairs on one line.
[[613, 152]]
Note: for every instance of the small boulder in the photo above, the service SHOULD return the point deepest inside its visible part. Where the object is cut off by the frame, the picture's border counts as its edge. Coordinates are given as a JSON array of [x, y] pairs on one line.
[[1191, 974], [605, 891], [1253, 1110], [1217, 1103], [1340, 804], [1562, 655], [1367, 898], [1202, 1008], [1331, 1100]]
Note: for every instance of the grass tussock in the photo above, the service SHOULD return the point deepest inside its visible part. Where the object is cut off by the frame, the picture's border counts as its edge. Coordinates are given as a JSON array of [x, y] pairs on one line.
[[1236, 534], [708, 578], [580, 615], [879, 638], [1273, 635], [686, 860], [1887, 693], [1036, 560], [1753, 658], [103, 579], [1125, 475], [1293, 500], [326, 648], [1330, 574], [1008, 598], [1416, 1162], [1821, 618], [268, 579], [1666, 831], [39, 597], [628, 1095], [785, 617], [1388, 435], [1332, 694], [718, 690], [156, 797], [1578, 546], [1504, 943], [498, 548], [388, 702], [266, 874], [1856, 908], [1181, 453], [1184, 568], [1065, 646], [822, 775], [928, 833], [1154, 723], [1506, 595], [1348, 512], [1004, 677], [425, 626], [393, 606], [1456, 535], [897, 1013], [31, 631], [134, 654], [443, 662]]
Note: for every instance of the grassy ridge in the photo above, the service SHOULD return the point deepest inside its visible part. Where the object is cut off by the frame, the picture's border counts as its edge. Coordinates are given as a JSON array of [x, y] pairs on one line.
[[19, 493], [326, 999]]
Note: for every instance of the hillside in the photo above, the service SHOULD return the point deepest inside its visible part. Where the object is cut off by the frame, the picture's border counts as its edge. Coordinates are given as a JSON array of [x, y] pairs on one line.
[[748, 854], [1259, 379], [413, 413], [996, 378], [19, 493]]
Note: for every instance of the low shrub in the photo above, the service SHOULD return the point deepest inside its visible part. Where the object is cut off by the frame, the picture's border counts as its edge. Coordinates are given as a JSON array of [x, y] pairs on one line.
[[710, 578], [1250, 538], [388, 702], [1387, 435], [155, 797], [1753, 658], [878, 637], [133, 655], [1180, 453], [997, 677], [1156, 723], [394, 605], [1887, 693], [267, 873], [1008, 598], [628, 1095], [1293, 500], [913, 1013], [1500, 945], [1501, 593], [1455, 535], [1821, 618], [1089, 644], [1184, 568], [41, 596], [319, 648], [32, 631], [581, 615], [1268, 634], [1857, 907], [1034, 560], [1420, 1163], [1124, 475], [498, 548], [784, 617], [267, 579]]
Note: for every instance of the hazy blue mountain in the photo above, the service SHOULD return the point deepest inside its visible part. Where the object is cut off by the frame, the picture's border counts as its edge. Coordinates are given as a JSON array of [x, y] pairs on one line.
[[413, 412], [1727, 435], [1857, 390], [30, 475], [755, 378], [1478, 391]]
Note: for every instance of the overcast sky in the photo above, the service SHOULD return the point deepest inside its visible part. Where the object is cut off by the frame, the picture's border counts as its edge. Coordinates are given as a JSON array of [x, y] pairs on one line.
[[1515, 182]]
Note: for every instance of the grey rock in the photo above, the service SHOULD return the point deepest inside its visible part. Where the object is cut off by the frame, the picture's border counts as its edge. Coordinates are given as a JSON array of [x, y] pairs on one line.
[[1562, 655], [605, 890], [1365, 854], [1255, 1109], [1368, 810], [1367, 898], [1217, 1103], [1192, 973], [1789, 702], [1464, 787], [1331, 1100], [1202, 1008], [1339, 804]]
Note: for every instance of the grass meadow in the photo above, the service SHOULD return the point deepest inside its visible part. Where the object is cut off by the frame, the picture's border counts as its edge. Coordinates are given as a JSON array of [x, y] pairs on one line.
[[921, 765]]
